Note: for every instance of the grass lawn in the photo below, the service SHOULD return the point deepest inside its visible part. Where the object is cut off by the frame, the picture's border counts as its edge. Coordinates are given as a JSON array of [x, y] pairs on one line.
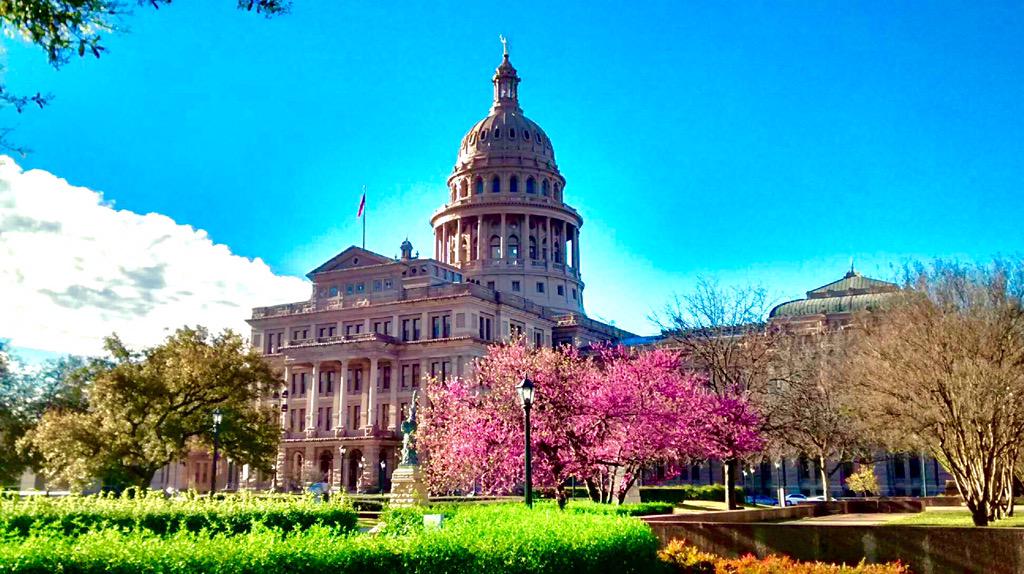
[[958, 517]]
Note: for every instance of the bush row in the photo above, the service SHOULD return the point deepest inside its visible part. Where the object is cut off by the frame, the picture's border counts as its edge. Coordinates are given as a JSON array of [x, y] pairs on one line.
[[683, 558], [502, 539], [75, 515], [682, 493]]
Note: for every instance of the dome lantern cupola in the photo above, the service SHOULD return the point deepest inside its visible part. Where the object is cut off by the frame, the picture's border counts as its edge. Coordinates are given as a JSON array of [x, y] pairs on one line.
[[506, 83]]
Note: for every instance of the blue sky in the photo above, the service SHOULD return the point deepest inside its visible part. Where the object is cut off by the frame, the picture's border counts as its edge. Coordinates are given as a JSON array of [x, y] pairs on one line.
[[754, 142]]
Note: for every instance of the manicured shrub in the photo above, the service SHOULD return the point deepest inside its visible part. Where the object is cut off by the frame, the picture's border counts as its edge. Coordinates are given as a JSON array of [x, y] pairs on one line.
[[498, 539], [682, 493], [684, 558], [235, 514]]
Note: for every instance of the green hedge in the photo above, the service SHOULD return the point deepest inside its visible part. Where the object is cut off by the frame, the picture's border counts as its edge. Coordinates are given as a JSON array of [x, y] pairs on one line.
[[75, 515], [682, 493], [499, 539]]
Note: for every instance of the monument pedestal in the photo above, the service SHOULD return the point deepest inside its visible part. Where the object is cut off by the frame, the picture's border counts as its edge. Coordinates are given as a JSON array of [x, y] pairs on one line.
[[407, 486]]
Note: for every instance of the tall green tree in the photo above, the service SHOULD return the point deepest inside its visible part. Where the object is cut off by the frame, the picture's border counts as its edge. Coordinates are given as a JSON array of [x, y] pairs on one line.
[[147, 409]]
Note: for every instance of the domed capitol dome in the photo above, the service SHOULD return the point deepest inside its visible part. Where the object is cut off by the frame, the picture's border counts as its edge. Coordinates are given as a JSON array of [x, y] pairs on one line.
[[506, 225]]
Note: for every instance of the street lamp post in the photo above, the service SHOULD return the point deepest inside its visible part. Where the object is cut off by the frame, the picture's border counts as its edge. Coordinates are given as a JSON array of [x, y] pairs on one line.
[[526, 389], [382, 476], [217, 417]]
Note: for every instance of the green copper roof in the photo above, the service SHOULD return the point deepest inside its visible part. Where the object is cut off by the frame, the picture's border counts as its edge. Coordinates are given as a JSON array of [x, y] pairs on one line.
[[853, 292], [852, 283]]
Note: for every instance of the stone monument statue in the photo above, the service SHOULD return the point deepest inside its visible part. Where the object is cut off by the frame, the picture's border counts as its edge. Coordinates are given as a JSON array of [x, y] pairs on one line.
[[409, 425], [407, 486]]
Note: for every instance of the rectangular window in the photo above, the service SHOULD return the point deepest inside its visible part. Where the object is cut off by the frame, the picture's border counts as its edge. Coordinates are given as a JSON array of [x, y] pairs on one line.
[[302, 419], [404, 413], [490, 285], [302, 384], [385, 415], [385, 378], [441, 370], [538, 338], [355, 417], [320, 417], [515, 330], [415, 329], [435, 327], [388, 284], [377, 284], [349, 289], [561, 290], [415, 375], [406, 376], [360, 287], [291, 420], [486, 324], [327, 418], [540, 287], [515, 286]]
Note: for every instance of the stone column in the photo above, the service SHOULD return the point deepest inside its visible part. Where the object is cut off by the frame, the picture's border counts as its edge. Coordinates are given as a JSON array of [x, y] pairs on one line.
[[344, 468], [458, 240], [504, 239], [444, 243], [371, 454], [576, 249], [551, 241], [340, 407], [308, 464], [393, 400], [524, 238], [311, 393], [337, 480], [371, 395], [479, 237]]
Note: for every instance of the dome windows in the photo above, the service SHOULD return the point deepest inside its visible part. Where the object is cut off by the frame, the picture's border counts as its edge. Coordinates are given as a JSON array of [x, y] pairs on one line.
[[513, 184], [478, 185], [544, 188], [531, 185], [512, 133], [526, 135], [483, 135], [497, 133], [495, 184]]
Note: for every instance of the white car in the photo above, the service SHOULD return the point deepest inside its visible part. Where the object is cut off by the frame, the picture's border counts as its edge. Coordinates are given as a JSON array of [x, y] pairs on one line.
[[794, 499]]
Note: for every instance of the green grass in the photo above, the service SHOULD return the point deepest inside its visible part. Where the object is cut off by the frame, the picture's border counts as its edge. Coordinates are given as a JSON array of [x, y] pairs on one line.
[[959, 517]]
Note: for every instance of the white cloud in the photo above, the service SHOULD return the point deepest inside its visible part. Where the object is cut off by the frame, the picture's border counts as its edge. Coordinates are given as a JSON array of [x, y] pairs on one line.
[[73, 269]]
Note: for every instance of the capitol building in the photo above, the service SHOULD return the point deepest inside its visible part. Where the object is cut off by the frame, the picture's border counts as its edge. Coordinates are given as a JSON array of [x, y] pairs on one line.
[[506, 265]]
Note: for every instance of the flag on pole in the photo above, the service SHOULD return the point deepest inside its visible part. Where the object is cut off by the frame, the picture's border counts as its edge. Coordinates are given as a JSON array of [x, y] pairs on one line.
[[362, 204]]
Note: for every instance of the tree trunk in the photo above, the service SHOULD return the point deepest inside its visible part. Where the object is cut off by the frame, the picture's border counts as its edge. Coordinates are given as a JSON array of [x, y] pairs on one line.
[[824, 478], [729, 470], [560, 496]]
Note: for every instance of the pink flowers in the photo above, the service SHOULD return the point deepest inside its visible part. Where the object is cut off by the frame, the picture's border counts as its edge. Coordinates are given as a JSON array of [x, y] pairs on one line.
[[601, 419]]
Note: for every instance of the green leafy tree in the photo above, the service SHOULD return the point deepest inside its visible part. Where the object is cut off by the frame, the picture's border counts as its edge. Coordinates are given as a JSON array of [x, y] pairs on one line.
[[147, 409], [68, 28], [863, 481]]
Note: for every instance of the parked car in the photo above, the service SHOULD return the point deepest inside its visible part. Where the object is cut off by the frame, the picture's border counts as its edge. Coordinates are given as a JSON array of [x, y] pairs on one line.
[[794, 499], [819, 498], [762, 500]]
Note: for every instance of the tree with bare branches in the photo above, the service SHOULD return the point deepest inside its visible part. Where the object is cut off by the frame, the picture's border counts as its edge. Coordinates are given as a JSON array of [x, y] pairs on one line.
[[722, 334], [943, 369]]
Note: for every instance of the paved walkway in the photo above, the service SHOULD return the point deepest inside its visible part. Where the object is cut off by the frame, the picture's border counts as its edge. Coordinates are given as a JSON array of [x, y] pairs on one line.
[[851, 519]]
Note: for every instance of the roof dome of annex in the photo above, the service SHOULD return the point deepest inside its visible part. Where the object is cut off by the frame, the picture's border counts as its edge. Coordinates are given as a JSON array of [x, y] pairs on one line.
[[506, 136]]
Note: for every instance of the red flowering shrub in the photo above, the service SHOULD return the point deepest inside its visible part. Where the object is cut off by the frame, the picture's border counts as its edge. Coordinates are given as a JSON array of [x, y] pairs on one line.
[[686, 559]]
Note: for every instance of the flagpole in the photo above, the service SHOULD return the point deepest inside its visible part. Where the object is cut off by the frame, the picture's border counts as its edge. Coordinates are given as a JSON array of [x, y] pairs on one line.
[[364, 219]]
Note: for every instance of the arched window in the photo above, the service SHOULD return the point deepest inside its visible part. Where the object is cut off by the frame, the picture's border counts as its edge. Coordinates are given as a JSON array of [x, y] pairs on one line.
[[513, 184], [478, 185], [463, 192], [544, 188], [511, 133], [544, 249], [531, 185], [533, 247], [495, 184], [558, 192], [556, 251], [495, 247], [483, 135], [513, 247], [497, 133], [526, 135]]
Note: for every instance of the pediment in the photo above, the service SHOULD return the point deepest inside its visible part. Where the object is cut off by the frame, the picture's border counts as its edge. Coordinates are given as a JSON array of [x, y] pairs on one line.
[[351, 258]]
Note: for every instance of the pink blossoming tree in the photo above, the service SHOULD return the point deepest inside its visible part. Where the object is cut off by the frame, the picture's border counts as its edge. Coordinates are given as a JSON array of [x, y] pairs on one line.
[[601, 418]]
